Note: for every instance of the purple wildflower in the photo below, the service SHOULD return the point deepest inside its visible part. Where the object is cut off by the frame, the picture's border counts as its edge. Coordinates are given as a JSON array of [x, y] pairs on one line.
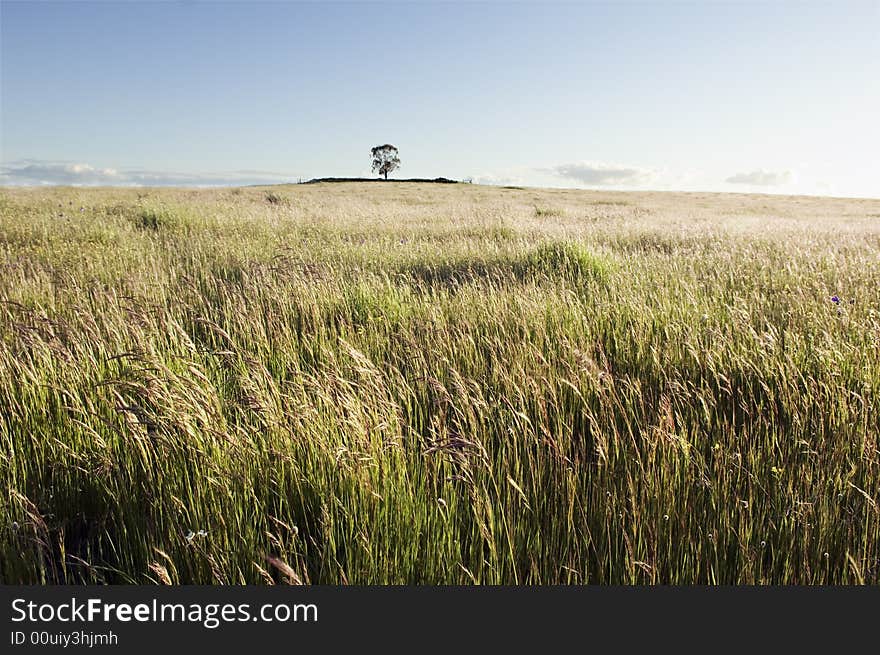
[[835, 300]]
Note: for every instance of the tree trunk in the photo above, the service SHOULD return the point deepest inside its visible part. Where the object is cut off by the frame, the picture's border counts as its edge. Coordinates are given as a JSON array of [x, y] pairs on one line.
[[386, 176]]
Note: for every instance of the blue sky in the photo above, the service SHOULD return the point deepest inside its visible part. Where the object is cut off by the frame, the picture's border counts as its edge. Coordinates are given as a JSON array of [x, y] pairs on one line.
[[780, 97]]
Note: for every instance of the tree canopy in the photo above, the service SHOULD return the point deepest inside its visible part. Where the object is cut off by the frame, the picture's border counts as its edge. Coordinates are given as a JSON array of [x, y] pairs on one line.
[[385, 159]]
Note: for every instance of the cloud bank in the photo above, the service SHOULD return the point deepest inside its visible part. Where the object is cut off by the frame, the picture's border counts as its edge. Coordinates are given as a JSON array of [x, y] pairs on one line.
[[493, 179], [31, 172], [761, 178], [602, 174]]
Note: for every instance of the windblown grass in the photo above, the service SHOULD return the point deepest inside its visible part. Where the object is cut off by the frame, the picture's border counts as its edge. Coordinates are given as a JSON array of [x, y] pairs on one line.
[[412, 384]]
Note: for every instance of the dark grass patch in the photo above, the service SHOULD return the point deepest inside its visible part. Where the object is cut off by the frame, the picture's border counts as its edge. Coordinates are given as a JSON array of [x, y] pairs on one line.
[[119, 209], [153, 219], [543, 212], [159, 219], [556, 261], [276, 199]]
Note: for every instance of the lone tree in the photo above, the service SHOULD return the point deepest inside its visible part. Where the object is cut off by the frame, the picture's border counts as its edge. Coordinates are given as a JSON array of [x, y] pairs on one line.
[[385, 159]]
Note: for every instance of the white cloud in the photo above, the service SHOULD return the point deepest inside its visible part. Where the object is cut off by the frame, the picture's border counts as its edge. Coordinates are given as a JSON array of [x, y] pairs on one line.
[[602, 174], [31, 172], [498, 179], [762, 178]]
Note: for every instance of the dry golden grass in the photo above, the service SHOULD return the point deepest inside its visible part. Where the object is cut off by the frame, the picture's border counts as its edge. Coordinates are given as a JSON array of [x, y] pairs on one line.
[[402, 383]]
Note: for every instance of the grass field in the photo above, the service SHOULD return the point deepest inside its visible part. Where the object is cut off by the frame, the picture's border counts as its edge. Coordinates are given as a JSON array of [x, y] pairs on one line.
[[392, 383]]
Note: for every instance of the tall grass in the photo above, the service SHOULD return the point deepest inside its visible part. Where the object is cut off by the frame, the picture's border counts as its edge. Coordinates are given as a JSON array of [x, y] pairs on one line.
[[412, 384]]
